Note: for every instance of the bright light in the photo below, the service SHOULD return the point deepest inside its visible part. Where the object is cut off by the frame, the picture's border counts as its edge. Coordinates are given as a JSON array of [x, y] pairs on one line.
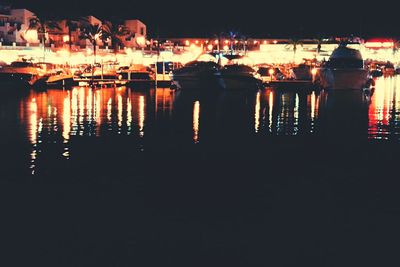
[[216, 42], [141, 115], [65, 38], [226, 47], [187, 42], [197, 41], [141, 41], [31, 36], [210, 47], [63, 53], [226, 42], [275, 41], [128, 51], [314, 71], [271, 71], [255, 42], [379, 44], [196, 121]]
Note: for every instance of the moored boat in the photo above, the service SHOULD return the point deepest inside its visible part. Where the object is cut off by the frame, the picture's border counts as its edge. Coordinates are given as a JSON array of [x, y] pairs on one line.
[[344, 70], [239, 76], [99, 71], [61, 78], [302, 72], [136, 76], [198, 75], [21, 73]]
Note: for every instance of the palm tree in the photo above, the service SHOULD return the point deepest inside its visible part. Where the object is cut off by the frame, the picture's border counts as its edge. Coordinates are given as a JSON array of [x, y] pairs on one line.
[[295, 42], [243, 39], [319, 40], [396, 46], [115, 32], [72, 26], [42, 26], [91, 33], [232, 37]]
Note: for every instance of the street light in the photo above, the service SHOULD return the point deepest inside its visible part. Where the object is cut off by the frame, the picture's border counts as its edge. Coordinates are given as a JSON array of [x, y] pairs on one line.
[[271, 72]]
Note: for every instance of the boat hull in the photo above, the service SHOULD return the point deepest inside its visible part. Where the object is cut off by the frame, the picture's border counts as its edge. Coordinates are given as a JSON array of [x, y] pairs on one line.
[[237, 82], [140, 84], [20, 79], [343, 79], [200, 82], [61, 81], [302, 74]]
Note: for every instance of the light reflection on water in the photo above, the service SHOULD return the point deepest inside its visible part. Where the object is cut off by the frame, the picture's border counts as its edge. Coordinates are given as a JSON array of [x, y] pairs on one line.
[[59, 116], [384, 110]]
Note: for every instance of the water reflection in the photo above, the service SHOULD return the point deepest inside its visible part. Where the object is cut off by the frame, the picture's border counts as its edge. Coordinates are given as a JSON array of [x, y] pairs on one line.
[[196, 121], [280, 112], [83, 112], [384, 110], [53, 119]]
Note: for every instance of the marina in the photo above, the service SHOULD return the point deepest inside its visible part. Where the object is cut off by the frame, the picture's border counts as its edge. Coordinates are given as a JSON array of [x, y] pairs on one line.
[[199, 134]]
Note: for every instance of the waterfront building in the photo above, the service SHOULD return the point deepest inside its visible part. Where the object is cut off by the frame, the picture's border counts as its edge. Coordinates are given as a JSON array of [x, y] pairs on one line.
[[14, 24], [137, 36]]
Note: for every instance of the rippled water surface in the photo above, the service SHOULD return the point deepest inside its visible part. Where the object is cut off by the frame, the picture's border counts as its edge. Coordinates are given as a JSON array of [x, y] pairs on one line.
[[55, 118], [280, 177]]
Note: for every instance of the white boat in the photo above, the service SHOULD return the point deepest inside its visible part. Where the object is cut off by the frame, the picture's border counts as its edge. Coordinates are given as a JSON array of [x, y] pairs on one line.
[[99, 71], [60, 78], [23, 73], [344, 70], [238, 76], [136, 76], [163, 72]]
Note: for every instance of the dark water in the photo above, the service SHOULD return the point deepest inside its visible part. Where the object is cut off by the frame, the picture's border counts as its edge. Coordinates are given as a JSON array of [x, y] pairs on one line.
[[280, 177]]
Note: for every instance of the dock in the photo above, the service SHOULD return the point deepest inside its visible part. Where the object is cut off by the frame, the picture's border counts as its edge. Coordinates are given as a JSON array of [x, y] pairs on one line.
[[100, 82]]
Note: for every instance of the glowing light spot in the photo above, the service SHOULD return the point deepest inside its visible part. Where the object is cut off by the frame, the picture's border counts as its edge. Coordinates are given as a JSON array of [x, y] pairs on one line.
[[196, 121]]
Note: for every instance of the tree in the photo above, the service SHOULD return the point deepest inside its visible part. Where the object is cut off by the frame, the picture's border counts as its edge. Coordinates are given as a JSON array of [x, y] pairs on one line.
[[319, 40], [295, 42], [243, 40], [233, 35], [72, 26], [396, 46], [114, 32], [42, 26], [91, 33]]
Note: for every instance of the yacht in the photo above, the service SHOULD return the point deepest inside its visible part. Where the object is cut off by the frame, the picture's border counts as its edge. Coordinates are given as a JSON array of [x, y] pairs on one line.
[[270, 73], [302, 72], [99, 71], [239, 76], [23, 73], [163, 72], [197, 75], [344, 70], [136, 76], [61, 78]]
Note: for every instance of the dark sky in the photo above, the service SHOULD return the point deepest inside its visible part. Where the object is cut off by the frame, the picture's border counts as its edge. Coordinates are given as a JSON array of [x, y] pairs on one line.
[[277, 18]]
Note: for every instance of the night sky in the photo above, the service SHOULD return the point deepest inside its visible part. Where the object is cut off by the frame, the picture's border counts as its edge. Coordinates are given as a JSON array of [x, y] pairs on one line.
[[203, 18]]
